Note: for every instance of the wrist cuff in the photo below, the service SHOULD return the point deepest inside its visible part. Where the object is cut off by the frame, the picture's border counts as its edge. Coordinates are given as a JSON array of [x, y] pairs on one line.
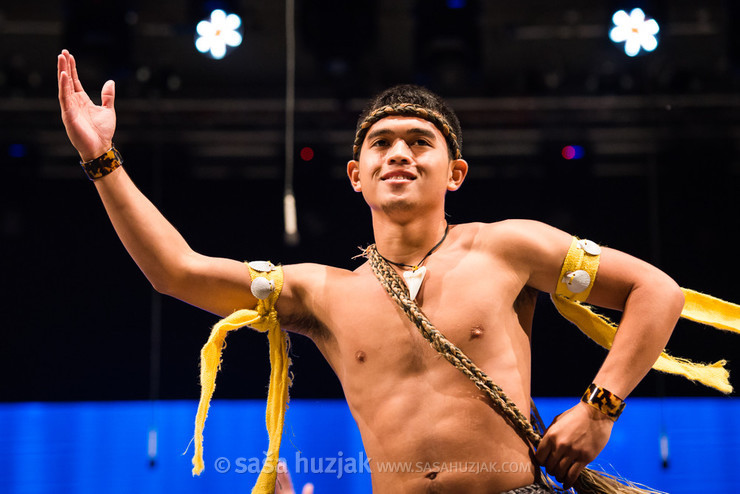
[[604, 401], [102, 165]]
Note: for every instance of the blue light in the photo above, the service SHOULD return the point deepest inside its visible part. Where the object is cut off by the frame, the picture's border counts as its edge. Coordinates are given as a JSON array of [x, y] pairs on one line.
[[17, 151], [456, 4]]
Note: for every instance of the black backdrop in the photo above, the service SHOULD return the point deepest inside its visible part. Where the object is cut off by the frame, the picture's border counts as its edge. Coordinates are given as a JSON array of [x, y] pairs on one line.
[[659, 179]]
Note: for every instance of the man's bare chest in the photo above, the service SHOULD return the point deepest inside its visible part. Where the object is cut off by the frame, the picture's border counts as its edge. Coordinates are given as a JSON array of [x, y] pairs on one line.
[[473, 308]]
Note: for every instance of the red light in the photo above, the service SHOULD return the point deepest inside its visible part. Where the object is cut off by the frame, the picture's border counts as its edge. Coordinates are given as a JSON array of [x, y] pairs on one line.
[[572, 152], [307, 154]]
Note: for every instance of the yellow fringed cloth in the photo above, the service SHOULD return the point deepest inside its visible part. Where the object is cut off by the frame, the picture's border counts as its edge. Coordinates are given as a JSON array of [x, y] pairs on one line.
[[263, 318], [574, 285]]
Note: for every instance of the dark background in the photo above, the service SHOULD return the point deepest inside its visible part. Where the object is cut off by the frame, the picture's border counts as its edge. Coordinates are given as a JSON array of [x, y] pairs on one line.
[[204, 140]]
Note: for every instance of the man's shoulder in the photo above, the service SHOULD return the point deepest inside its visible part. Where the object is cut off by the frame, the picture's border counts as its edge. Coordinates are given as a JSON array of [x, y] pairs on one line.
[[509, 231], [313, 271], [520, 243], [314, 276]]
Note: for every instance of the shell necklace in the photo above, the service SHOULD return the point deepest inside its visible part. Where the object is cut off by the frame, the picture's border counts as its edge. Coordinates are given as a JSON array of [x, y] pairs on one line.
[[415, 276]]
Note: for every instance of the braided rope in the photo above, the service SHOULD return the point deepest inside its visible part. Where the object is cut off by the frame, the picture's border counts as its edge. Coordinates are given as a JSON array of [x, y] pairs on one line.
[[409, 110], [397, 289]]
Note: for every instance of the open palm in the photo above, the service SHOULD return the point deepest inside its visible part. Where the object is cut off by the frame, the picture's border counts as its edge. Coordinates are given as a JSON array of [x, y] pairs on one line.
[[90, 127]]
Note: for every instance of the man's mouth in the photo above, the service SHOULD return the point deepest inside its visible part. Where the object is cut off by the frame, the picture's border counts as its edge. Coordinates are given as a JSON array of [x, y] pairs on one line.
[[398, 176]]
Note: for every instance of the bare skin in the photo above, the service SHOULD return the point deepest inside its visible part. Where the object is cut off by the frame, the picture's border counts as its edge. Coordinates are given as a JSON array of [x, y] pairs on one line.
[[412, 407], [284, 484]]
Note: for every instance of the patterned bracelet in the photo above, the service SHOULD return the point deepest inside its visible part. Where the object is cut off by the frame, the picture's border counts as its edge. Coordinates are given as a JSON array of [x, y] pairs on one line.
[[102, 165], [604, 401]]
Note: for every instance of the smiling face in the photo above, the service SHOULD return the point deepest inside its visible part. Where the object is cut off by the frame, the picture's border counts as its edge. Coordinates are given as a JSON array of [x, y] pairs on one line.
[[404, 166]]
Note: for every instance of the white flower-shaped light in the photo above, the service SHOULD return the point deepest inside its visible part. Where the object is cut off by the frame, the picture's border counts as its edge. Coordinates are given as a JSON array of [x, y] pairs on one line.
[[636, 31], [218, 33]]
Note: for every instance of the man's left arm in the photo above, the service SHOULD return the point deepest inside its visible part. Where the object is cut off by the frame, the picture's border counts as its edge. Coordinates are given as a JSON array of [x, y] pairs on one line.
[[651, 303]]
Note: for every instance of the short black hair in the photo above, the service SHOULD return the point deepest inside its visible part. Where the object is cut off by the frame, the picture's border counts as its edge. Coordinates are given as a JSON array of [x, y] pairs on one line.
[[412, 94]]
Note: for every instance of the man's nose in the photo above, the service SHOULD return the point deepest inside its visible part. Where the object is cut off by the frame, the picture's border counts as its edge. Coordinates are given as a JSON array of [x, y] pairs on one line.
[[399, 152]]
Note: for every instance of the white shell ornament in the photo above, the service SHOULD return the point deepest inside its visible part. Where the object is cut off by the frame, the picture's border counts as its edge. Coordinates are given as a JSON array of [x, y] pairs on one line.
[[262, 287], [589, 247], [577, 281], [262, 266], [413, 280]]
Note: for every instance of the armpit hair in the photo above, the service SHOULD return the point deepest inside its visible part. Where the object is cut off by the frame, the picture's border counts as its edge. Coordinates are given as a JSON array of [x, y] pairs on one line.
[[527, 296], [304, 324]]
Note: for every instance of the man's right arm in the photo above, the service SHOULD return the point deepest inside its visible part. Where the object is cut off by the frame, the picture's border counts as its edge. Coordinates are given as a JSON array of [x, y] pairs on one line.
[[217, 285]]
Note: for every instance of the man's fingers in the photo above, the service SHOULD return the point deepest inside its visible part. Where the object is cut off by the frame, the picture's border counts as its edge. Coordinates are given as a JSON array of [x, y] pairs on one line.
[[65, 90], [61, 65], [543, 451], [73, 72], [283, 484], [307, 489], [561, 469], [573, 473], [108, 94], [551, 464]]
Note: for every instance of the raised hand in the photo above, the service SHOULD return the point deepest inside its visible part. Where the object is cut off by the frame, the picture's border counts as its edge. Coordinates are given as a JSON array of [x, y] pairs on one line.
[[90, 127]]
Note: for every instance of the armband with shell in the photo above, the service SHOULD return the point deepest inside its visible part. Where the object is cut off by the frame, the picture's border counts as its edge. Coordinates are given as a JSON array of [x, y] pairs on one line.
[[579, 269]]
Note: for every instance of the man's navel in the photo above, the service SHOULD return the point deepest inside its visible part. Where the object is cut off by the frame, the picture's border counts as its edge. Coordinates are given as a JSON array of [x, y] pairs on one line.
[[434, 487], [360, 356]]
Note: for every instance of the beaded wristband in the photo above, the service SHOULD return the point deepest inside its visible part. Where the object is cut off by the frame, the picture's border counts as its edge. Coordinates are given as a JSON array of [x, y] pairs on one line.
[[102, 165], [604, 401]]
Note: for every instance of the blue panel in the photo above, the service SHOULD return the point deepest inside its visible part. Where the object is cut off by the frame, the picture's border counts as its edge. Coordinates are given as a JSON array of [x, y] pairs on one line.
[[703, 436], [102, 447]]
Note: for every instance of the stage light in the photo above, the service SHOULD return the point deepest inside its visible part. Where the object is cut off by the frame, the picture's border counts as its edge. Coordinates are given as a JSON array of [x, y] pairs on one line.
[[306, 154], [17, 151], [218, 34], [635, 31], [456, 4], [572, 152]]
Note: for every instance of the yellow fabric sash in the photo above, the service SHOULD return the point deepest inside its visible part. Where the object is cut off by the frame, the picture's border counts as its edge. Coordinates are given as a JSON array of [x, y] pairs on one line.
[[698, 307], [263, 318]]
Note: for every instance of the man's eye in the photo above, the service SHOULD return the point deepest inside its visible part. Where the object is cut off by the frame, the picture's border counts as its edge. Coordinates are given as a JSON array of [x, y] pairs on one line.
[[421, 142], [380, 142]]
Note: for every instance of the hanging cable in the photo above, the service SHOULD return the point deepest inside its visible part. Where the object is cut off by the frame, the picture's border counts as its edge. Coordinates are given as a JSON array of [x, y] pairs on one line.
[[155, 321], [289, 210]]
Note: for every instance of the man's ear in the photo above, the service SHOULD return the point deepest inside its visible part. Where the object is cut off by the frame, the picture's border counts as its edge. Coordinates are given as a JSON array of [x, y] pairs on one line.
[[353, 172], [458, 172]]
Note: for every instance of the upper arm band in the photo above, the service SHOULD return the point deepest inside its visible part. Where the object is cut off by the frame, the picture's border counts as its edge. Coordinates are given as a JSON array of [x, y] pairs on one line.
[[579, 269]]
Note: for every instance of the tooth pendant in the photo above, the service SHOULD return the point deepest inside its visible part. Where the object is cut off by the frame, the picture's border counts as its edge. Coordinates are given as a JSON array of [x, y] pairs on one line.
[[413, 280]]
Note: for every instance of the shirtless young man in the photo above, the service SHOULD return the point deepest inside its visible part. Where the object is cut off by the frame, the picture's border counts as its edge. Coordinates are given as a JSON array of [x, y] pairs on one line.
[[409, 403]]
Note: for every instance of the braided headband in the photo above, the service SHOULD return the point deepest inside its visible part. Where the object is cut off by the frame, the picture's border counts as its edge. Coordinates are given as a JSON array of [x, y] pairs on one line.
[[407, 110]]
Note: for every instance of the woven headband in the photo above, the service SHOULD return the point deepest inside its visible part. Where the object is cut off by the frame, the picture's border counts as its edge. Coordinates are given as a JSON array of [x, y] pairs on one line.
[[407, 110]]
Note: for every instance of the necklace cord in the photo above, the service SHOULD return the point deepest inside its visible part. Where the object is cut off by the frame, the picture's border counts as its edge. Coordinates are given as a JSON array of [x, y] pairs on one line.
[[416, 266]]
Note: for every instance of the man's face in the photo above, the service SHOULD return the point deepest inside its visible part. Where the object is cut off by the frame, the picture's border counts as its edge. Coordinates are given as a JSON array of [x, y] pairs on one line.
[[404, 164]]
